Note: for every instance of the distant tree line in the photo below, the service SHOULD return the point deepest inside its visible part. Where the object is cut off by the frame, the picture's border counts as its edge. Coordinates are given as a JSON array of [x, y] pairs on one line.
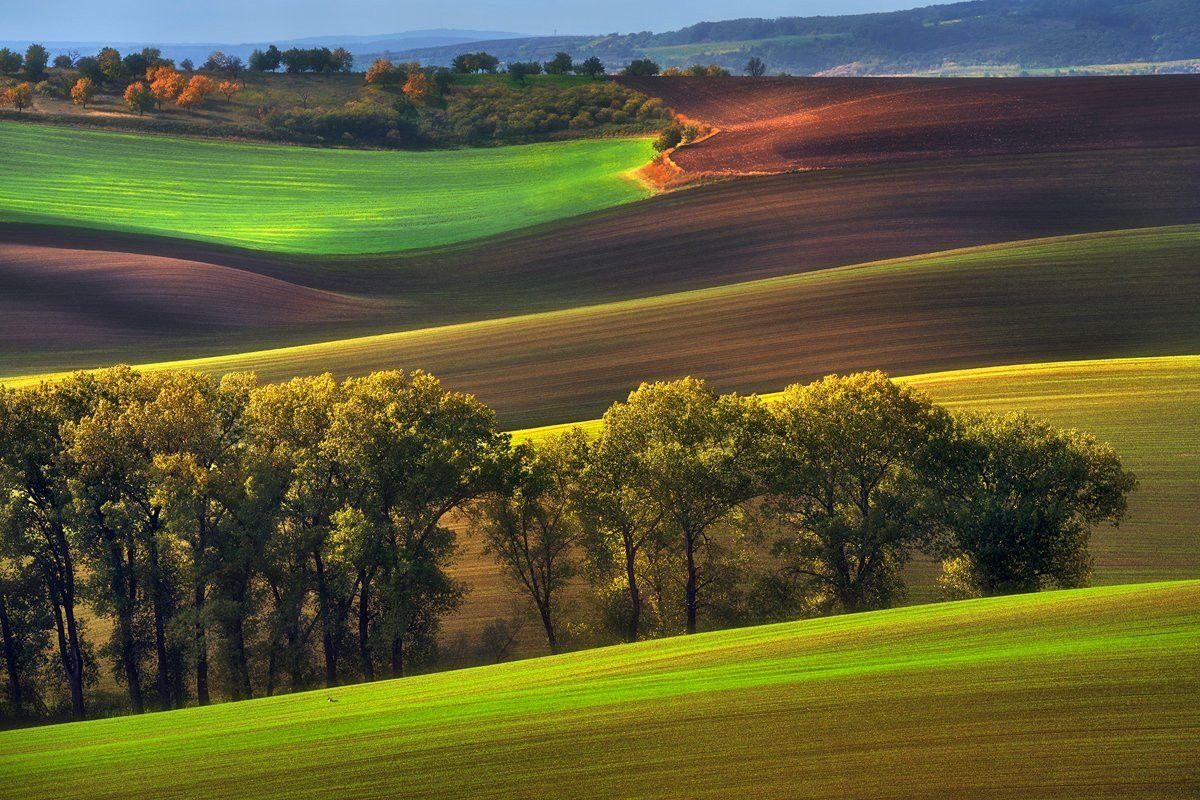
[[242, 539]]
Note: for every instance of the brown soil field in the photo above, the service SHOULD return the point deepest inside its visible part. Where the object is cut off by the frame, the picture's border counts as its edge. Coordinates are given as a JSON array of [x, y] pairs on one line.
[[784, 124], [57, 297], [708, 236]]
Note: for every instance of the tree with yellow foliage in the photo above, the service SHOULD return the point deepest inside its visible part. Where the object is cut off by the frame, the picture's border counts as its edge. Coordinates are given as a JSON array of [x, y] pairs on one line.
[[138, 97], [19, 97]]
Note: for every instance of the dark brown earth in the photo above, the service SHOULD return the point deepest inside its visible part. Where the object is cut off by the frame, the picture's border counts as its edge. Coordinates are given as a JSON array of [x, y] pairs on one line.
[[784, 124]]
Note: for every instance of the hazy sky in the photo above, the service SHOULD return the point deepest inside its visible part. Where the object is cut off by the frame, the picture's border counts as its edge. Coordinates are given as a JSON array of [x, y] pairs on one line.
[[256, 20]]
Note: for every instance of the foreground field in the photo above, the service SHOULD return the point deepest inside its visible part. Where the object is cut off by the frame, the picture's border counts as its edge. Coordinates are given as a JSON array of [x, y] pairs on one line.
[[781, 124], [1084, 694], [305, 200]]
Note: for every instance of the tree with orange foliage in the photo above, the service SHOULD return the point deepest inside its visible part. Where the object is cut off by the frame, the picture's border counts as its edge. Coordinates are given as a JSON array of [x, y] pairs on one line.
[[418, 88], [381, 71], [229, 89], [165, 85], [138, 97], [19, 97], [82, 92], [195, 93]]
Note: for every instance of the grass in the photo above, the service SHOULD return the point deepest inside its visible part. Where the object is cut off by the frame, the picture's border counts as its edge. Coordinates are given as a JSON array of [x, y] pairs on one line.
[[1082, 694], [305, 200]]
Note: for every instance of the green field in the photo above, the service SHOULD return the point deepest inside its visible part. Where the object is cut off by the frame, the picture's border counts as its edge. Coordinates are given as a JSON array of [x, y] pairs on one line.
[[1081, 694], [305, 200]]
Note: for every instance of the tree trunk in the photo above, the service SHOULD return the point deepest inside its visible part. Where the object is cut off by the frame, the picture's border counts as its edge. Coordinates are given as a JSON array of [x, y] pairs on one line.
[[635, 596], [548, 624], [200, 642], [15, 700], [60, 578], [690, 589], [236, 631], [364, 628], [124, 592], [164, 685], [328, 645], [398, 657]]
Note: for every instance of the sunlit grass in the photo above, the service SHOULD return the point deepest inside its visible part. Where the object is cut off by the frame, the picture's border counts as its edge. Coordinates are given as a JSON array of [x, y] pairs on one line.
[[1065, 694], [303, 199]]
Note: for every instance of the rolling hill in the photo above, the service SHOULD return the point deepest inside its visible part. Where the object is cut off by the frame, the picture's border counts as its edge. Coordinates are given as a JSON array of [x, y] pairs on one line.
[[305, 200], [1074, 237], [782, 124], [1019, 33], [941, 311], [1080, 694], [709, 236]]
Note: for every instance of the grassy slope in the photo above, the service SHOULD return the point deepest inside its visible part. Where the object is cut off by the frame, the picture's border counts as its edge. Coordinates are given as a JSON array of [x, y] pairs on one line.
[[1087, 694], [305, 200], [1077, 297]]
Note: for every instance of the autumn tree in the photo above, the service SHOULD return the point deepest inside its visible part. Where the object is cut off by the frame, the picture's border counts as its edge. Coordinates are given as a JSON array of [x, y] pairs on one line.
[[418, 88], [83, 92], [197, 90], [382, 72], [36, 59], [1021, 498], [229, 89], [699, 457], [19, 96], [139, 97], [532, 525], [165, 85]]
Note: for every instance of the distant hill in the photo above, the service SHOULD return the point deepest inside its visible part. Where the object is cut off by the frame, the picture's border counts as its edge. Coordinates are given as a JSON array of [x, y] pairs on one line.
[[360, 46], [1020, 34]]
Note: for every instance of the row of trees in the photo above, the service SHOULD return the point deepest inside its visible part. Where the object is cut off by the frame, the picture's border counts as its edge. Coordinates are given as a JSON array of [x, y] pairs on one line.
[[755, 68], [245, 539], [298, 59], [33, 63]]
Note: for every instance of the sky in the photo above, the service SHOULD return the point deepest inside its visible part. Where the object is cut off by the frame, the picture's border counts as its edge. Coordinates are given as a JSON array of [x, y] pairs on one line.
[[236, 21]]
